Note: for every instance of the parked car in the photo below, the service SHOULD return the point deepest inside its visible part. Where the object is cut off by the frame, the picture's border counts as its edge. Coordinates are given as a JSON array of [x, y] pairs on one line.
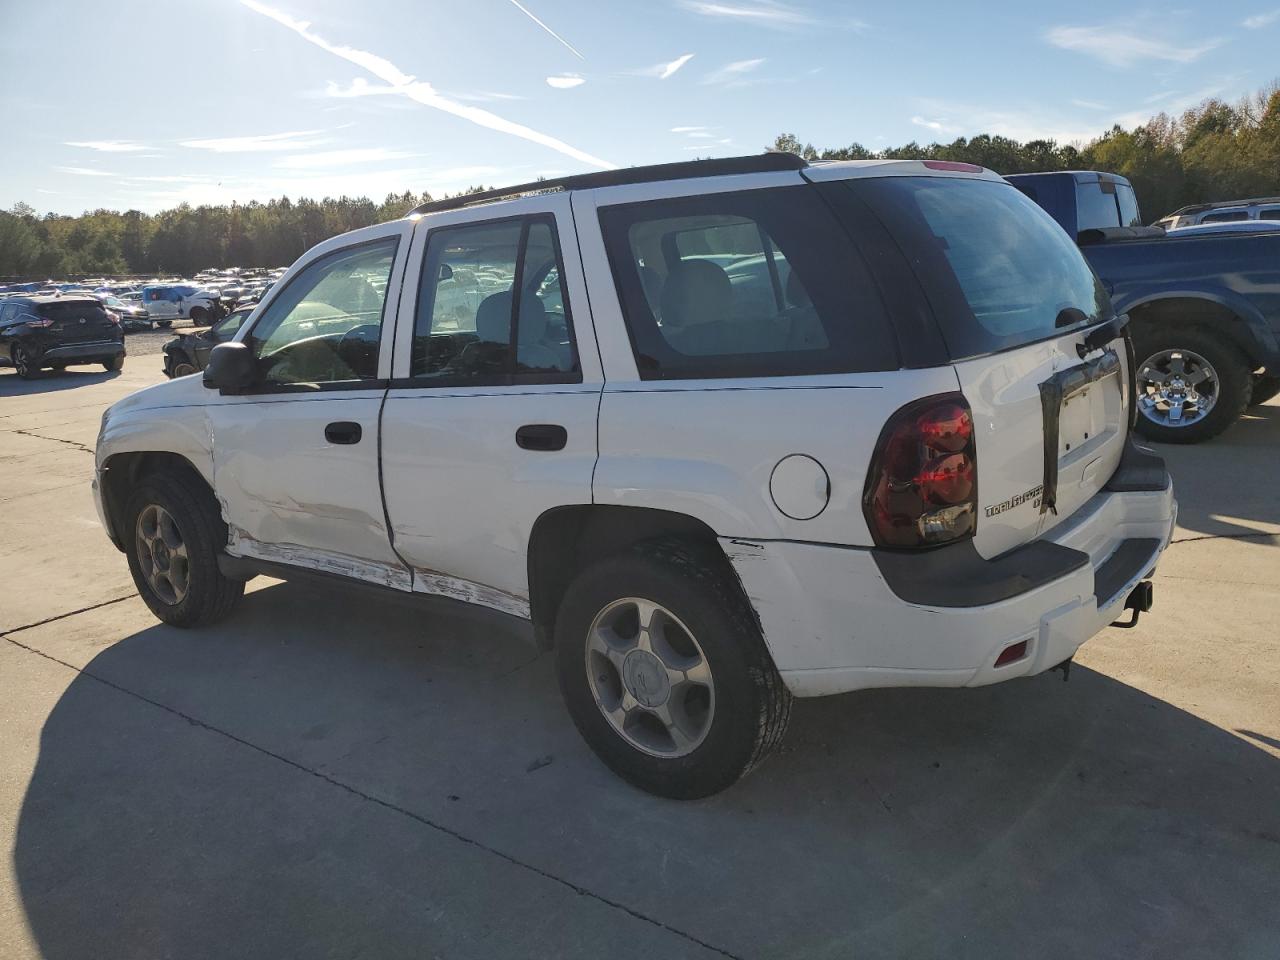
[[57, 331], [1236, 226], [1226, 211], [189, 353], [167, 303], [913, 469], [1204, 307], [132, 314]]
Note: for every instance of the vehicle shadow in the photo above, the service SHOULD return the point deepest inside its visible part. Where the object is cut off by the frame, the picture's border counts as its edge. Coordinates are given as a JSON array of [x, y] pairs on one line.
[[1226, 486], [321, 776], [50, 381]]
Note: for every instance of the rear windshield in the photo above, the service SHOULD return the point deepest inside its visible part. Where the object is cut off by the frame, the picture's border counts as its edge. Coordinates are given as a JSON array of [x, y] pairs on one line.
[[73, 310], [743, 284], [998, 271]]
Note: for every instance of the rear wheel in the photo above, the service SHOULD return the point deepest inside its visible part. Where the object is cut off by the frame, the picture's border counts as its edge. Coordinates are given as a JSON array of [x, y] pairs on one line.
[[183, 370], [114, 363], [1191, 386], [665, 673], [166, 324], [26, 368], [1264, 388], [59, 365], [200, 317], [173, 534]]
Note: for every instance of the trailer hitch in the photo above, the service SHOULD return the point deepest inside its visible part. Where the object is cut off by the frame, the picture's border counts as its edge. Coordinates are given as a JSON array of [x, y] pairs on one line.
[[1139, 601]]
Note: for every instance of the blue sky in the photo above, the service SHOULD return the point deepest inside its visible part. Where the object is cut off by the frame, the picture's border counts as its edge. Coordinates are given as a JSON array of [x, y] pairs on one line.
[[147, 103]]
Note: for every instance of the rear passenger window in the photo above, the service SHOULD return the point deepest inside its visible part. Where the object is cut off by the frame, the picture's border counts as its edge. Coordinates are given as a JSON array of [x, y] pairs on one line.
[[1269, 213], [491, 309], [1225, 216], [757, 283]]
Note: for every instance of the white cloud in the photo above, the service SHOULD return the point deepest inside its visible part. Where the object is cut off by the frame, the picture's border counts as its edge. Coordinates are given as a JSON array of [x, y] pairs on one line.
[[1260, 20], [84, 172], [663, 70], [937, 126], [262, 143], [1120, 47], [340, 158], [421, 91], [766, 13], [566, 81], [109, 146], [360, 87], [687, 129], [732, 72], [528, 13], [1089, 105]]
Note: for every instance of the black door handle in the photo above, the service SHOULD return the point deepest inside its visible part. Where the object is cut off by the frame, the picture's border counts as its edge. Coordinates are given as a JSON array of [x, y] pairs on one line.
[[344, 431], [542, 436]]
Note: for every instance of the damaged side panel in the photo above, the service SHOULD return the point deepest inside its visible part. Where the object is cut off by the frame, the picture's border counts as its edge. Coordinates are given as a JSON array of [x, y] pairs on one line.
[[468, 591], [321, 561]]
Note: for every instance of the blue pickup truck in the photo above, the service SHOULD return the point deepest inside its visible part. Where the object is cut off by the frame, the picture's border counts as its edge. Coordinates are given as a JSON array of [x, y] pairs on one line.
[[1204, 308]]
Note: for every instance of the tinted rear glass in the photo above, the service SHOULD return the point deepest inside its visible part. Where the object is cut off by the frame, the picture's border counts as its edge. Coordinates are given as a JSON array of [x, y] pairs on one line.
[[1225, 216], [1096, 207], [999, 271], [743, 284], [73, 310]]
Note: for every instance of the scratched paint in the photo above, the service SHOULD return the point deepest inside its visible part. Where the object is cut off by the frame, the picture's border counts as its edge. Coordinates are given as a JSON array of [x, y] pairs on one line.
[[323, 561], [468, 591]]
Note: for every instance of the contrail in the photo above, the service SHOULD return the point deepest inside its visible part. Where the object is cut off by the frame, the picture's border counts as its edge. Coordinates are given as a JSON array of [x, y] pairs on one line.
[[529, 13], [420, 90]]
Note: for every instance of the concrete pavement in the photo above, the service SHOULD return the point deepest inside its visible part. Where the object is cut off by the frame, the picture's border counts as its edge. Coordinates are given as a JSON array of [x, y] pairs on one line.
[[323, 776]]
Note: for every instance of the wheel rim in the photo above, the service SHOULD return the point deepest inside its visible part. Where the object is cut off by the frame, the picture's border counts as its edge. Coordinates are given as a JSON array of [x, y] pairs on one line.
[[20, 361], [162, 554], [1177, 388], [650, 677], [183, 370]]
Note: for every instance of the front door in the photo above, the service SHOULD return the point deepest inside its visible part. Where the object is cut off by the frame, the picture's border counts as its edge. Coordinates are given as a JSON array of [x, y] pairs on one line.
[[296, 458], [491, 418]]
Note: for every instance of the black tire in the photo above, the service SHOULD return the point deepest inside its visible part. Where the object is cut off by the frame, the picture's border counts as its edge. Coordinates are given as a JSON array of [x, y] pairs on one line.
[[210, 595], [200, 317], [166, 324], [752, 705], [58, 366], [114, 363], [26, 368], [1234, 379], [1264, 388], [183, 368]]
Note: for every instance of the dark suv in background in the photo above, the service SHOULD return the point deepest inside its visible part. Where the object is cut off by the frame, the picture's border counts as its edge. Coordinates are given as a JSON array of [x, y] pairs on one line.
[[57, 331]]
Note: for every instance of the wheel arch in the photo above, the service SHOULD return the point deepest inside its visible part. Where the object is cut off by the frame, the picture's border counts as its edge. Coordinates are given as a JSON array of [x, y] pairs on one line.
[[121, 473], [564, 539], [1237, 319]]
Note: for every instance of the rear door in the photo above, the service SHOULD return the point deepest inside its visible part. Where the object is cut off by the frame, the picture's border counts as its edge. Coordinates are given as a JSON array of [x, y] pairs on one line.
[[490, 420], [1014, 299]]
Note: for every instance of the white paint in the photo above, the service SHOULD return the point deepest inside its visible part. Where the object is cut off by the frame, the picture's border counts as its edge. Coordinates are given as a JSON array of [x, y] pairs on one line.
[[468, 591]]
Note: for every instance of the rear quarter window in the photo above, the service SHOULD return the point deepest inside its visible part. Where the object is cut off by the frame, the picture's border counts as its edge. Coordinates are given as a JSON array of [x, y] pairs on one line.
[[759, 283]]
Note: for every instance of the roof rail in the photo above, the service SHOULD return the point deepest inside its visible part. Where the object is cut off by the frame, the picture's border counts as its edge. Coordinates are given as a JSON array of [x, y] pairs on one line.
[[1219, 204], [759, 163]]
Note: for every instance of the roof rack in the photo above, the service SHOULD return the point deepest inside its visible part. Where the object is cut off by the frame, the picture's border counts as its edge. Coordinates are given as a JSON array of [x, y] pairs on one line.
[[654, 173], [1219, 204]]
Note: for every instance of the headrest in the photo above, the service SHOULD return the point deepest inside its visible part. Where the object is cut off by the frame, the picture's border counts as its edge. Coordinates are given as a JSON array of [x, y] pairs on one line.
[[696, 291], [493, 318]]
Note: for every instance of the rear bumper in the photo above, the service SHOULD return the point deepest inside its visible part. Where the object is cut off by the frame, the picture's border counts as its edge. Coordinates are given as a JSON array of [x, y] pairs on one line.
[[835, 622], [94, 350]]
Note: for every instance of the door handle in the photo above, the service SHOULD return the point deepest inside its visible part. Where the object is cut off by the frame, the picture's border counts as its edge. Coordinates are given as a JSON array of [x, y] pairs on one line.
[[344, 431], [542, 436]]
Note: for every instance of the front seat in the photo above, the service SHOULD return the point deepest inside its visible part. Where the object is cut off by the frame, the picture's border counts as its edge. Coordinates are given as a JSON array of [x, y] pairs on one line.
[[696, 302]]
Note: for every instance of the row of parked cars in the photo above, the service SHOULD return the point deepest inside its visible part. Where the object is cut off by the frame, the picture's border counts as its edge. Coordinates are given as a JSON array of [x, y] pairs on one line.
[[53, 325]]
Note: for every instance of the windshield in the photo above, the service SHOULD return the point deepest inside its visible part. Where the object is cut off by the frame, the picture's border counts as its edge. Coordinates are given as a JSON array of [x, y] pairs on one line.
[[998, 270]]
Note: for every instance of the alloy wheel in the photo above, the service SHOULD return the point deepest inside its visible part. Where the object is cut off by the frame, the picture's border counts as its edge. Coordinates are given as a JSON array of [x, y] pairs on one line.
[[162, 554], [1176, 388], [650, 677]]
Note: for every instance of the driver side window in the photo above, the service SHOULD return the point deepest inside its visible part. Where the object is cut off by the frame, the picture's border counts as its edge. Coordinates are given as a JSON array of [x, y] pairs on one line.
[[326, 326]]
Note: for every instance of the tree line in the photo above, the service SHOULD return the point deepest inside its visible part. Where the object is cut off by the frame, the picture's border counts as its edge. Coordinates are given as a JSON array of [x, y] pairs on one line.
[[1215, 151]]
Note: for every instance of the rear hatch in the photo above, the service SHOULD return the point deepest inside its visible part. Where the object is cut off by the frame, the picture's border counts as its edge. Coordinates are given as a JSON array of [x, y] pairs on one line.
[[78, 321], [1014, 299]]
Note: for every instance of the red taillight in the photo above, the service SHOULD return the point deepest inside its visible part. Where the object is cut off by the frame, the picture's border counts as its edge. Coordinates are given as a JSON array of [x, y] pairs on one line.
[[955, 166], [40, 322], [922, 487], [113, 317]]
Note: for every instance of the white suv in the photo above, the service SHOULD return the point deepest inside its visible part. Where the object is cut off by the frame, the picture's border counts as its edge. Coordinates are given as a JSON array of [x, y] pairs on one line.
[[727, 432]]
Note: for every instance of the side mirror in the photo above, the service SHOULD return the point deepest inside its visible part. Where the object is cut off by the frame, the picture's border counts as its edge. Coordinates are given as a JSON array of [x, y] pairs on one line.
[[231, 368]]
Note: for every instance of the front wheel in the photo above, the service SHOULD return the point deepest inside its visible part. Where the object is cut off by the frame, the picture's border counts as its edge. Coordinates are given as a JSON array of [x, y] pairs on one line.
[[26, 368], [664, 672], [1191, 385], [173, 533]]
